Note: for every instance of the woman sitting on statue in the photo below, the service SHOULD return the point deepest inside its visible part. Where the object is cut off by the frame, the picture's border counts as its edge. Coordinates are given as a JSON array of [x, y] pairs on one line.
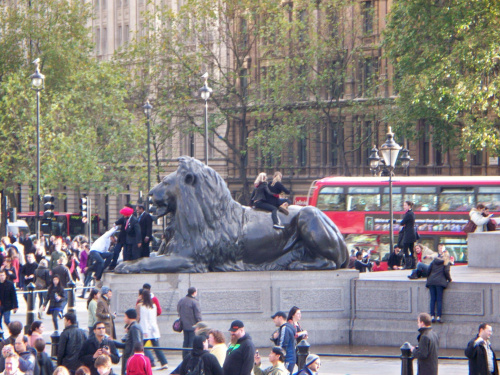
[[261, 198], [277, 188]]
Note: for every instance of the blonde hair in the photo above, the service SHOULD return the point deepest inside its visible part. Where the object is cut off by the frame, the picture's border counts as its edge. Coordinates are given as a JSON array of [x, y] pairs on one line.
[[446, 258], [277, 178], [262, 177], [60, 370]]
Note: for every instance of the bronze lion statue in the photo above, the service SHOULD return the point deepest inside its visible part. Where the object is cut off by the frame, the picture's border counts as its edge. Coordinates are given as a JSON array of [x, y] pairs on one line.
[[212, 232]]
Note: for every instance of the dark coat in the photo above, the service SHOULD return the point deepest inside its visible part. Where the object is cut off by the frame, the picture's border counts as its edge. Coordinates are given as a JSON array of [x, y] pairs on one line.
[[478, 361], [133, 336], [210, 364], [28, 270], [8, 296], [262, 193], [439, 274], [240, 357], [146, 224], [91, 346], [121, 236], [409, 227], [427, 352], [42, 277], [64, 275], [395, 260], [277, 189], [189, 312], [45, 364], [133, 232], [51, 298], [70, 346]]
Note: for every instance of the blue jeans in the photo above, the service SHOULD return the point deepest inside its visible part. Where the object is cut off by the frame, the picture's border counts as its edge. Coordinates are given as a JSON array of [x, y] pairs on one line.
[[436, 299], [188, 342], [289, 366], [159, 353], [6, 317]]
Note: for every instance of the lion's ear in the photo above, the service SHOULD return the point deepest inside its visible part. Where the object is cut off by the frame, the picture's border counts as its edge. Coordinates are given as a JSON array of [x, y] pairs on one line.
[[190, 179]]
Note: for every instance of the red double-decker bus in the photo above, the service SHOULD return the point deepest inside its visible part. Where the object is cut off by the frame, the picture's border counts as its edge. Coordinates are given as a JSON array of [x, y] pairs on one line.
[[62, 224], [359, 206]]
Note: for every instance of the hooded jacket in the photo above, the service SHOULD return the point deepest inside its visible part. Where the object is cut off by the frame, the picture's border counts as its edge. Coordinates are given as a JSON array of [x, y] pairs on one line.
[[240, 357]]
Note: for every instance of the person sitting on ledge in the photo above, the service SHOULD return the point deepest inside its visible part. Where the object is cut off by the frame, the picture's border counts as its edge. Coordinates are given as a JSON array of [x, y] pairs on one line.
[[425, 256], [360, 265], [396, 258]]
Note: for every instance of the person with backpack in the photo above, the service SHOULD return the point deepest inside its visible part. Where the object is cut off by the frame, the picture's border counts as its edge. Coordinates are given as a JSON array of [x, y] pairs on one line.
[[200, 361]]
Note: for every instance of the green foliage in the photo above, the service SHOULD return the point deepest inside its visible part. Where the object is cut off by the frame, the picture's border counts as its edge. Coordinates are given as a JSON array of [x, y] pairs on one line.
[[86, 135], [447, 55]]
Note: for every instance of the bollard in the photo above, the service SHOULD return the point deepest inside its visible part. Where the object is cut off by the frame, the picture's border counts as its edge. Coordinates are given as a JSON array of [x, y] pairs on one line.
[[30, 315], [406, 359], [71, 297], [54, 338], [302, 353]]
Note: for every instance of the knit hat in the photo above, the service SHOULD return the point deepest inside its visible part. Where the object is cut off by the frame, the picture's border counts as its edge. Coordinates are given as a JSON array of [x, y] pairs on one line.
[[105, 290], [127, 211], [311, 358]]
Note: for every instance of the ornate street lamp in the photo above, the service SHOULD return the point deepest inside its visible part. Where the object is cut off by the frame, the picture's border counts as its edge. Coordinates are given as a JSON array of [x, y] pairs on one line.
[[390, 150], [147, 111], [37, 84], [205, 92]]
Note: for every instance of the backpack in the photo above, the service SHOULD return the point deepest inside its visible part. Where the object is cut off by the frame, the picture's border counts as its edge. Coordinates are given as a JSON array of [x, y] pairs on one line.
[[198, 369]]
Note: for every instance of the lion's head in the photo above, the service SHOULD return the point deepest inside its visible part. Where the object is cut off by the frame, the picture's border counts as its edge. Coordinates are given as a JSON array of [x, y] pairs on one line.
[[207, 221]]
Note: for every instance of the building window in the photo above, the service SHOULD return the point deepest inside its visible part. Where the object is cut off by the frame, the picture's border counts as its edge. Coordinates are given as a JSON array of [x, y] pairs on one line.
[[303, 25], [302, 152], [98, 40], [369, 75], [119, 37], [104, 40], [244, 82], [368, 129], [367, 11], [126, 34], [477, 158], [334, 146], [243, 34]]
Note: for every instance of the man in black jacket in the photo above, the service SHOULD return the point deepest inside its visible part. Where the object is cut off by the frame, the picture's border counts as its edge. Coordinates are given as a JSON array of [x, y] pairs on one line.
[[134, 336], [409, 236], [70, 343], [97, 345], [146, 224], [189, 312], [426, 351], [8, 298], [482, 359], [240, 354], [133, 239]]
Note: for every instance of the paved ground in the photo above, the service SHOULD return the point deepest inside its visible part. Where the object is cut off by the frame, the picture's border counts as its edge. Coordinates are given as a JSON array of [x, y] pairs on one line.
[[330, 365]]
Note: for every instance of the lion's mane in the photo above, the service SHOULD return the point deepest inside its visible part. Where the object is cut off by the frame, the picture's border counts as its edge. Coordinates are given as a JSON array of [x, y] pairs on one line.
[[207, 220]]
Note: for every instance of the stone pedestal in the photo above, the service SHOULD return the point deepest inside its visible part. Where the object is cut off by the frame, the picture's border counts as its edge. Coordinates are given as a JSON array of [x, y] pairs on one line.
[[324, 298], [484, 249]]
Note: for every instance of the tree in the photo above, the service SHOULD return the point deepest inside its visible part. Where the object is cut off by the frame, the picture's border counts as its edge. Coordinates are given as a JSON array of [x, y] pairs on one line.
[[87, 136], [446, 58]]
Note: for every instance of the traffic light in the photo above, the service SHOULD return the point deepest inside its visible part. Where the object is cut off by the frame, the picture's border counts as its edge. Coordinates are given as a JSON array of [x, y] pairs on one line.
[[48, 206], [84, 208], [12, 214], [151, 205]]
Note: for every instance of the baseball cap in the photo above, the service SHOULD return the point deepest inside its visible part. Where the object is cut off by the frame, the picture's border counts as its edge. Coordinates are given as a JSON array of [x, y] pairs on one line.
[[236, 325], [279, 313]]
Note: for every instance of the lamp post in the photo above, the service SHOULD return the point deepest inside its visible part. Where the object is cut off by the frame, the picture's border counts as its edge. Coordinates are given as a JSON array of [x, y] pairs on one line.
[[390, 150], [205, 92], [147, 111], [37, 84]]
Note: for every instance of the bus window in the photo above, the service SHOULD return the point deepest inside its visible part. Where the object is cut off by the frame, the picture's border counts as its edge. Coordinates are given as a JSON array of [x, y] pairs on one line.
[[363, 199], [423, 198], [457, 247], [456, 199], [331, 198], [397, 199], [490, 197]]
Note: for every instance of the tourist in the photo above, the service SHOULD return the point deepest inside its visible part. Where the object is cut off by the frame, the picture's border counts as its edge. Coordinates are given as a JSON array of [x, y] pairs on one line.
[[426, 352], [139, 364], [261, 197], [437, 281], [409, 235], [482, 359], [200, 360], [189, 311], [277, 358], [70, 343], [311, 365], [56, 298], [217, 343], [285, 338], [277, 188], [98, 344], [92, 309], [240, 353], [294, 316], [103, 312]]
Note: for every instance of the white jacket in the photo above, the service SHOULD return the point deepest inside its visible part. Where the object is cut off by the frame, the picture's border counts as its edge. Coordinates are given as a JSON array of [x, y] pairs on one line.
[[102, 243], [477, 218], [148, 322]]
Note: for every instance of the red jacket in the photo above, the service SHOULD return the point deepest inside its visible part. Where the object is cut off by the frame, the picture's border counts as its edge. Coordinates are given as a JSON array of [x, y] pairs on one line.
[[139, 364]]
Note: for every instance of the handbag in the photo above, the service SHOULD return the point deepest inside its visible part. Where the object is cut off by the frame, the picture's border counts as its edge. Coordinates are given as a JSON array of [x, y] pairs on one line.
[[177, 325], [491, 225], [470, 227]]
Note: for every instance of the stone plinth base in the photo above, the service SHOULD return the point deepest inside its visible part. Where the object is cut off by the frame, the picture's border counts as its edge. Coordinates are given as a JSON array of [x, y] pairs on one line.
[[484, 249], [323, 296]]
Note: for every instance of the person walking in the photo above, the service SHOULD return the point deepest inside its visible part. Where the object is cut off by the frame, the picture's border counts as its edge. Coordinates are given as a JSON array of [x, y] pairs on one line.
[[42, 281], [285, 338], [217, 343], [8, 298], [241, 351], [437, 281], [311, 366], [426, 352], [103, 312], [199, 360], [409, 236], [146, 316], [294, 316], [189, 311], [92, 309], [133, 338], [56, 299], [277, 359], [482, 359], [70, 343]]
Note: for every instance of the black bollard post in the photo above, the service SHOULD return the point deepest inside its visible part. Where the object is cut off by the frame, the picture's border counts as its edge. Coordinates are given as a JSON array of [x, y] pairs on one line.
[[406, 359], [71, 297], [30, 315], [302, 353], [54, 338]]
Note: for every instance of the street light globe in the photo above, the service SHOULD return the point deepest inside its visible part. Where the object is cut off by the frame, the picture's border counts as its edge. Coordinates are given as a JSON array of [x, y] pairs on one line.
[[37, 79], [405, 158], [374, 159], [147, 109], [205, 92], [390, 150]]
